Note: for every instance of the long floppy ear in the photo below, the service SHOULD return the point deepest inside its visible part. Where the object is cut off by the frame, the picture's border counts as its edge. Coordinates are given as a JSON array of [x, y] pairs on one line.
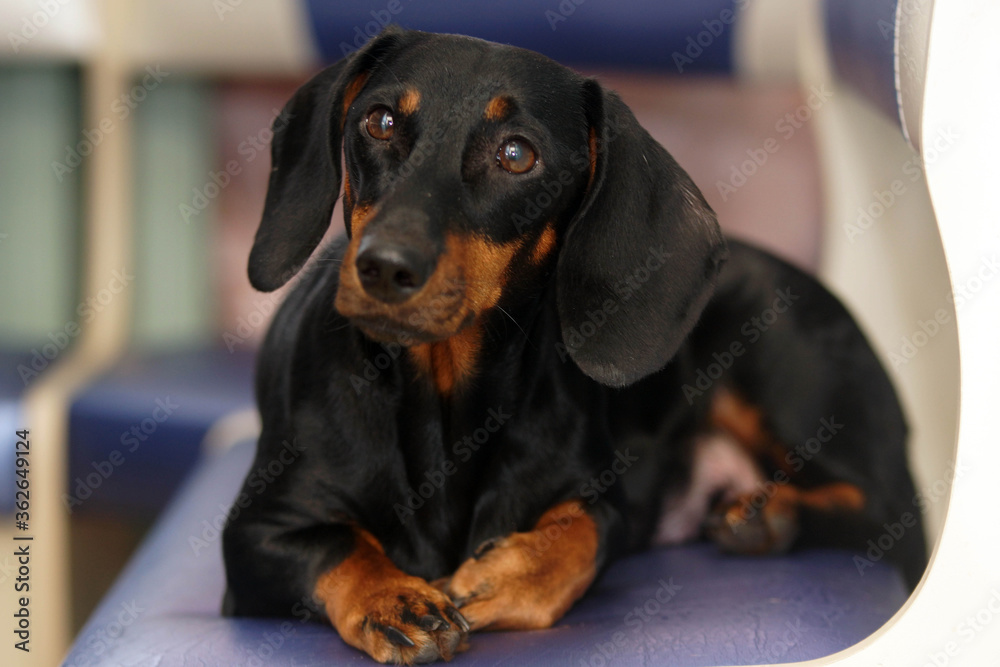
[[641, 258], [305, 165]]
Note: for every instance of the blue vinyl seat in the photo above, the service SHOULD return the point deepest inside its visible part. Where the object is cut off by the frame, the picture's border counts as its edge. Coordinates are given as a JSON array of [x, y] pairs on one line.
[[688, 606]]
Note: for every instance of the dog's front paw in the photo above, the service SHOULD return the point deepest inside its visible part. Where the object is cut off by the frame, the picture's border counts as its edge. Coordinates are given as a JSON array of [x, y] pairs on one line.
[[508, 587], [527, 581], [404, 621]]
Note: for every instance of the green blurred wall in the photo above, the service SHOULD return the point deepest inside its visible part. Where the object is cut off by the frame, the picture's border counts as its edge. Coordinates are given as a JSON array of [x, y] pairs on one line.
[[39, 215], [175, 150]]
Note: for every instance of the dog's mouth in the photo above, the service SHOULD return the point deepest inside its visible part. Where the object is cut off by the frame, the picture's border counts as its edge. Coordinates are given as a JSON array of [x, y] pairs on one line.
[[428, 317]]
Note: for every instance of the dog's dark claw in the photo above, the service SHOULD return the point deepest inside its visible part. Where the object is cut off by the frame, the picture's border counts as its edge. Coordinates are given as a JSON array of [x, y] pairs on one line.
[[431, 622], [397, 637], [460, 620]]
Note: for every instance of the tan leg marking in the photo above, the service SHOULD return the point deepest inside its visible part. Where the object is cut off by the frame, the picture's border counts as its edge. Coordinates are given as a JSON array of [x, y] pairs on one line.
[[530, 580]]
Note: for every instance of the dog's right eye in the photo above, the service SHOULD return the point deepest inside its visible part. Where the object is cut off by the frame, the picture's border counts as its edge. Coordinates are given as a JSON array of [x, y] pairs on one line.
[[517, 156], [379, 123]]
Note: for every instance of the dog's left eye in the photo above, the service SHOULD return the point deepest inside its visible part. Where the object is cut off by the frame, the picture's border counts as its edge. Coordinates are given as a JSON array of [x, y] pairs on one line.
[[379, 123], [517, 156]]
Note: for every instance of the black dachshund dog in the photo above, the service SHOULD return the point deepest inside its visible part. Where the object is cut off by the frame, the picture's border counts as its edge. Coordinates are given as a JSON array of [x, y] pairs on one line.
[[533, 352]]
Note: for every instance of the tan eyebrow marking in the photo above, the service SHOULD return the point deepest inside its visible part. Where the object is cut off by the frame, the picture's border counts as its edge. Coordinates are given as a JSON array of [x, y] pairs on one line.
[[410, 101], [498, 108]]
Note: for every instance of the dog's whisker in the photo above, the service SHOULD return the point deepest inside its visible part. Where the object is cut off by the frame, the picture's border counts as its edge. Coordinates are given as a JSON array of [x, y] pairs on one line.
[[511, 318]]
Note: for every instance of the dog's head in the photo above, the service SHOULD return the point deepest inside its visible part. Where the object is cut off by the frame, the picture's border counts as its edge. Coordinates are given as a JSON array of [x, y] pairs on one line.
[[472, 171]]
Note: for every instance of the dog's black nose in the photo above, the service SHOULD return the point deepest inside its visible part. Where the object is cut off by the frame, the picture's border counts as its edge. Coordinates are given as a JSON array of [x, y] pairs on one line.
[[390, 272]]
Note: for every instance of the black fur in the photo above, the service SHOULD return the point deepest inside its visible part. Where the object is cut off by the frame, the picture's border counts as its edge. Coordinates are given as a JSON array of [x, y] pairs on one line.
[[573, 368]]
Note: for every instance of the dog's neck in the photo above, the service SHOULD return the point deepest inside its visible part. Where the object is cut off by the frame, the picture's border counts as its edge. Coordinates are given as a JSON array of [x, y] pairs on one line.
[[502, 336], [452, 362]]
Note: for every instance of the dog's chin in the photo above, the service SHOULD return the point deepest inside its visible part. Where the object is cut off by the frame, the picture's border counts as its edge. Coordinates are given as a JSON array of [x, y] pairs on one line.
[[387, 331]]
